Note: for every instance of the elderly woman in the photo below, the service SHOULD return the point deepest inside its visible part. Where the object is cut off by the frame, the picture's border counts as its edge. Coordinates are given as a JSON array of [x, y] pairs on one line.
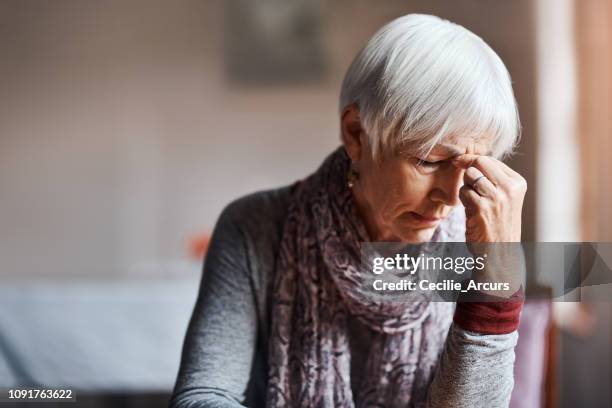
[[426, 111]]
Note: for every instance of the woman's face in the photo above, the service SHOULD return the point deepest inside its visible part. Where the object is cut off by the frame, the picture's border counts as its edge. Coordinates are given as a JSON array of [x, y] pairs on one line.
[[408, 196], [405, 197]]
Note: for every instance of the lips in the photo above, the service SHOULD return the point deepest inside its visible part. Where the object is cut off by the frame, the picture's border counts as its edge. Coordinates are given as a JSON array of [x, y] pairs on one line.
[[426, 219]]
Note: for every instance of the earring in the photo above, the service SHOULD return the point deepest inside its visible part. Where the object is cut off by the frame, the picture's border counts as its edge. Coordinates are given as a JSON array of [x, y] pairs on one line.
[[352, 176]]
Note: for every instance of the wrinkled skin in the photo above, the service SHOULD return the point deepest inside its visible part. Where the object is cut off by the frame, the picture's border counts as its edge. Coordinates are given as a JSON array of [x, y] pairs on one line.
[[405, 197]]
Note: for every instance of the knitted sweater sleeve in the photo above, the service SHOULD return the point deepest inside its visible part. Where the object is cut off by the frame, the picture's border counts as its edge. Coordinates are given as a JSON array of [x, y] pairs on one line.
[[476, 368], [220, 342]]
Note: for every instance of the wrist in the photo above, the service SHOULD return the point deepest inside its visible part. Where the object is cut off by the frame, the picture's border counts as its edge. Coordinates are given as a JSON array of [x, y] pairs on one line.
[[490, 314]]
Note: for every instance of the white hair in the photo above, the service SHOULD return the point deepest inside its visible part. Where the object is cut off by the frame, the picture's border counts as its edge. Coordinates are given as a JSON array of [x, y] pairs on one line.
[[421, 79]]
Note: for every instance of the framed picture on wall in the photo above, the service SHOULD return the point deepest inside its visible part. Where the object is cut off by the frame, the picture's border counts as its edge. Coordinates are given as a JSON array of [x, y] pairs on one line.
[[273, 42]]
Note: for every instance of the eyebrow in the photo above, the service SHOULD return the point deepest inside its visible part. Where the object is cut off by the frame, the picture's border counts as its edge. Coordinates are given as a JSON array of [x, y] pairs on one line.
[[456, 152]]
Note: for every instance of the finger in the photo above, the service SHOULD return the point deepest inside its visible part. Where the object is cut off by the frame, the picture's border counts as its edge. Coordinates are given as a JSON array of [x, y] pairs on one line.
[[487, 165], [479, 182], [508, 170], [515, 179], [471, 199]]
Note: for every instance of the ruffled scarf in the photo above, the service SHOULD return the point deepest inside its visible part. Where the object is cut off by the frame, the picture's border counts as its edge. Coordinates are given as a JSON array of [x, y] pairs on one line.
[[316, 292]]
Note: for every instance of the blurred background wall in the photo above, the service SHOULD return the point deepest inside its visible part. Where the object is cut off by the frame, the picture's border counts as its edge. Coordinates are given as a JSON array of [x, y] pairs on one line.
[[127, 125]]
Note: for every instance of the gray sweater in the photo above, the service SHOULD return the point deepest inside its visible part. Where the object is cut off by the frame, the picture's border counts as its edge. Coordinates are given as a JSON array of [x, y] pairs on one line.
[[225, 350]]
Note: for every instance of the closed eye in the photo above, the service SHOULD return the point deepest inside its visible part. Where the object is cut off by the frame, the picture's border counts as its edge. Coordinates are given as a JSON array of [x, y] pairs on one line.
[[426, 163]]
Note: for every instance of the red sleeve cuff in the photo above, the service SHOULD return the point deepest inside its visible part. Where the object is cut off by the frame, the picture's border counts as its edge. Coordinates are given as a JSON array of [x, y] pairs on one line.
[[490, 317]]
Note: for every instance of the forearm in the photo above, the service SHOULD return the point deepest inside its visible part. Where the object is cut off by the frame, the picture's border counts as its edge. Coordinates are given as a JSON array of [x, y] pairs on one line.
[[203, 398], [474, 370]]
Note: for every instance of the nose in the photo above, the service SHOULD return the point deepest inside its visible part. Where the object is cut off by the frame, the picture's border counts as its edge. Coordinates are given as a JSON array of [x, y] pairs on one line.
[[446, 185]]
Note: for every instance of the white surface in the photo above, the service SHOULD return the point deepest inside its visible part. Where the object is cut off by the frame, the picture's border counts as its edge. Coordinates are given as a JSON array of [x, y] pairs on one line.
[[121, 335]]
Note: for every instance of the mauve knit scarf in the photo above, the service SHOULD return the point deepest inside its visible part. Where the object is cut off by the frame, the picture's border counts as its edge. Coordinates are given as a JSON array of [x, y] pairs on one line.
[[317, 290]]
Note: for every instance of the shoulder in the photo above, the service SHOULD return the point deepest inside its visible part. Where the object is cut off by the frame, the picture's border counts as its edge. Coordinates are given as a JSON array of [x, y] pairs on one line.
[[245, 241], [248, 234], [257, 215]]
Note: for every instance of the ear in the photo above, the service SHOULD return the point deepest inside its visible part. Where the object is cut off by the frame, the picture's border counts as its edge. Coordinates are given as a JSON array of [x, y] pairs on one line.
[[352, 132]]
